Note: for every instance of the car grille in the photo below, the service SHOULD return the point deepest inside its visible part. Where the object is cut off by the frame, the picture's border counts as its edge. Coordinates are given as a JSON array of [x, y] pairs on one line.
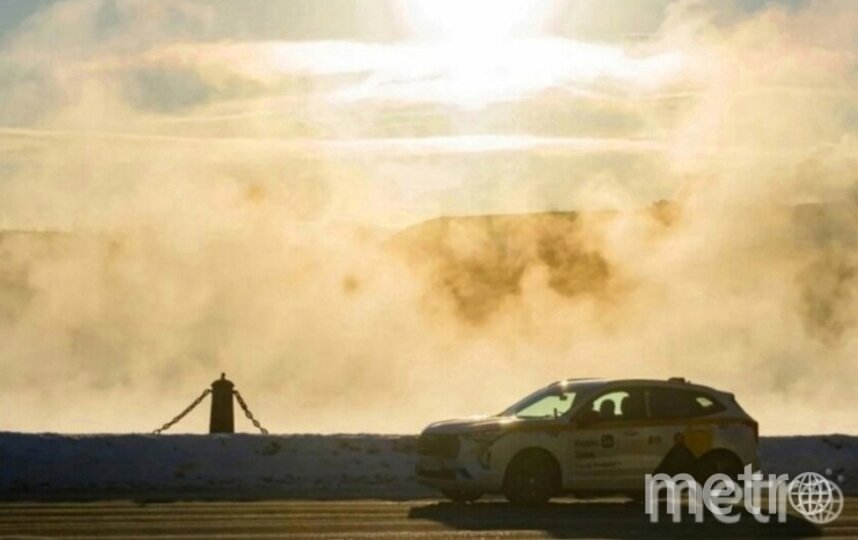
[[442, 446]]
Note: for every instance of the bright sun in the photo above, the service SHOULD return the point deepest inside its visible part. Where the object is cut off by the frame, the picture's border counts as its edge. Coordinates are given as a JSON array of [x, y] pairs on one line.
[[482, 20], [475, 52]]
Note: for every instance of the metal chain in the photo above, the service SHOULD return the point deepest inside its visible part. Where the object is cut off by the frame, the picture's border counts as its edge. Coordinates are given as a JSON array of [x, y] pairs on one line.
[[182, 414], [249, 414]]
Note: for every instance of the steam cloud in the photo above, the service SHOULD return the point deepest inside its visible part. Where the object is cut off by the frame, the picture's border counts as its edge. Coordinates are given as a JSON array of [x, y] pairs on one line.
[[168, 216]]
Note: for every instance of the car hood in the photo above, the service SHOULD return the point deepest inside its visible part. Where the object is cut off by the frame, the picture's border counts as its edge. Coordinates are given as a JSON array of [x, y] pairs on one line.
[[470, 425]]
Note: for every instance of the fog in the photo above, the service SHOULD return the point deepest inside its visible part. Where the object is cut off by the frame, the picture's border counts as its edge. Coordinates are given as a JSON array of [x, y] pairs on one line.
[[177, 202]]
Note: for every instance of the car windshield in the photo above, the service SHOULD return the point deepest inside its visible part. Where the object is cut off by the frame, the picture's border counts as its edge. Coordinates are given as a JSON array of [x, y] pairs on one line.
[[550, 402]]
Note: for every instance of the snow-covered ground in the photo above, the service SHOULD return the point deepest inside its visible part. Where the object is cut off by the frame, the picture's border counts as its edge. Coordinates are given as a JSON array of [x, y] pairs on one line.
[[835, 456], [314, 466], [240, 465]]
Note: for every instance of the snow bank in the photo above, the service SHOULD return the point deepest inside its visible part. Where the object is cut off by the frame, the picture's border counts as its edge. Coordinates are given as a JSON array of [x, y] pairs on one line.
[[239, 465], [255, 466], [835, 456]]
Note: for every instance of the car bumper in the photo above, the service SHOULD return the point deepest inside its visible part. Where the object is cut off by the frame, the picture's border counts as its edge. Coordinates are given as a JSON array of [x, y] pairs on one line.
[[470, 471]]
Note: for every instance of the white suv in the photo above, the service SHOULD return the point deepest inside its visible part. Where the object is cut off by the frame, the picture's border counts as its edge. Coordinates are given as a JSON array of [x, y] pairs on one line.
[[589, 436]]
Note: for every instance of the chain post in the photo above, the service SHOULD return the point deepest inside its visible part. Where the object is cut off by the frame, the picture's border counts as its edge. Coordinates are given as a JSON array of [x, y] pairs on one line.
[[206, 392], [222, 419]]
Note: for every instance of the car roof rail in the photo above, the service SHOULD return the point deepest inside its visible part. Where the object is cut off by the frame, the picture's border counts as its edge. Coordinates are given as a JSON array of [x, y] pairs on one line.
[[677, 380]]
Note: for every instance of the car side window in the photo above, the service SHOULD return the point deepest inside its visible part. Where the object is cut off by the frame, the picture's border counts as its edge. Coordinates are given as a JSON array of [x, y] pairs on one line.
[[550, 406], [625, 404], [681, 403]]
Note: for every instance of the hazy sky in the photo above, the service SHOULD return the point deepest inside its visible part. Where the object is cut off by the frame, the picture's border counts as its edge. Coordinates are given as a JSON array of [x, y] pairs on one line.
[[233, 168], [575, 104]]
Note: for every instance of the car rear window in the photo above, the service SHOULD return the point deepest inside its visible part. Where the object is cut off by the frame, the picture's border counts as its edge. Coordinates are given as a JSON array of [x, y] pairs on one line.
[[681, 403]]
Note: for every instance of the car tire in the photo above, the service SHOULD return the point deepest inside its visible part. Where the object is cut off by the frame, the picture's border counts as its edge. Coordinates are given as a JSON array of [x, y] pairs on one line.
[[718, 462], [461, 495], [531, 479]]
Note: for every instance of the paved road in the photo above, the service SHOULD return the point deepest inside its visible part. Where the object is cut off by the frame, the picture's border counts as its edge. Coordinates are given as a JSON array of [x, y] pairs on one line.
[[377, 519]]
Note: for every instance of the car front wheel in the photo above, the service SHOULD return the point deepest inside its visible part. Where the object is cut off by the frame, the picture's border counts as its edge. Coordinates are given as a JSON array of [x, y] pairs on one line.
[[531, 480]]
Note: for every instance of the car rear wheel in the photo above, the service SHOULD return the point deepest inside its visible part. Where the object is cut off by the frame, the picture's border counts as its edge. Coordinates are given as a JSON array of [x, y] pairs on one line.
[[461, 495], [531, 479], [718, 462]]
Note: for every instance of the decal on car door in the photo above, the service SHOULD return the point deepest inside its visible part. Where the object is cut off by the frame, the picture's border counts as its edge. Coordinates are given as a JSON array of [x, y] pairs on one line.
[[698, 439]]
